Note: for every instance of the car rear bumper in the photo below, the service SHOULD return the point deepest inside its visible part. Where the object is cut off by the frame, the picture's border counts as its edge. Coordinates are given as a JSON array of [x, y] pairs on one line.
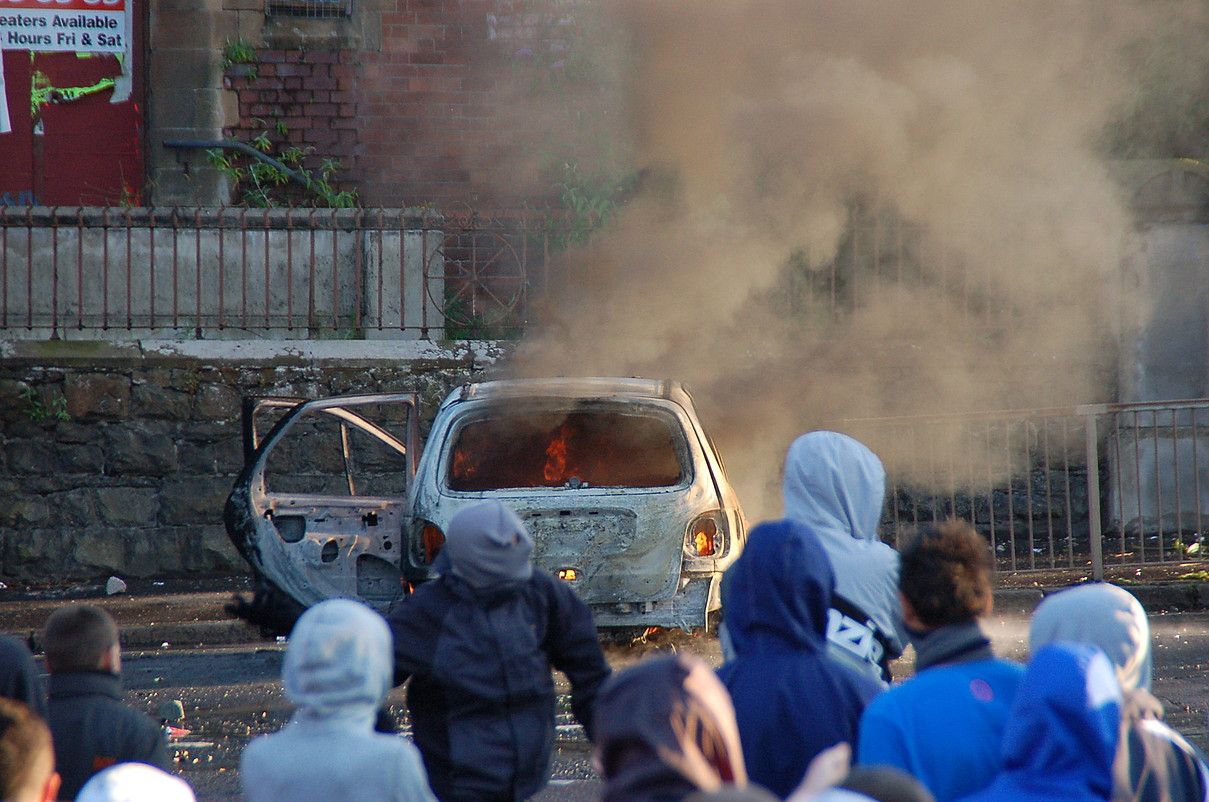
[[686, 610]]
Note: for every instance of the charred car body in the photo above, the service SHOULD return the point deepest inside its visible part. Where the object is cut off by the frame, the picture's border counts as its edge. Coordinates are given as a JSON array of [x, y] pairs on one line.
[[623, 492]]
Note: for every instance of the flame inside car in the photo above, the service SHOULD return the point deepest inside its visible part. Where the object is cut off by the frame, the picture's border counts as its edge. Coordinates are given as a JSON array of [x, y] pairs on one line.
[[518, 448]]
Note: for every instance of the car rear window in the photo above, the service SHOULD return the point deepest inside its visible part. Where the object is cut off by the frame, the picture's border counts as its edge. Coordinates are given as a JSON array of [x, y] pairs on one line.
[[601, 447]]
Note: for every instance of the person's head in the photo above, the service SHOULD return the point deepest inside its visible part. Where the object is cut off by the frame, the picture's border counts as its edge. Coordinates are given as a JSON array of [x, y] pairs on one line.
[[885, 784], [486, 544], [339, 658], [1105, 616], [751, 793], [81, 637], [945, 576], [135, 782], [667, 722], [833, 483], [27, 758], [780, 587]]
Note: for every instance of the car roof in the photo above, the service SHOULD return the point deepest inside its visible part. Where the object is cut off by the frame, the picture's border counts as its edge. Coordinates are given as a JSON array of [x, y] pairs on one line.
[[577, 387]]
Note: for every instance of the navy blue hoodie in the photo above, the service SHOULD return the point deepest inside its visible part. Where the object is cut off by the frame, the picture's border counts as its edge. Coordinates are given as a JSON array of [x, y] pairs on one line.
[[791, 699]]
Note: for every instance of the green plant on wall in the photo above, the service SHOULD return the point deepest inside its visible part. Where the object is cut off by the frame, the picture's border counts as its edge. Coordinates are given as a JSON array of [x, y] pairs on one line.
[[238, 51], [38, 410], [587, 202], [262, 184]]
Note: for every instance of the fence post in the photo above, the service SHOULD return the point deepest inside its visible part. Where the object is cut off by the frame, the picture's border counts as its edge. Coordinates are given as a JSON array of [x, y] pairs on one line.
[[1093, 498]]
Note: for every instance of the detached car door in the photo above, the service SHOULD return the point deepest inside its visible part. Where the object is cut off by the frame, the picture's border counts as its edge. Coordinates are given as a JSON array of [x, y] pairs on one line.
[[319, 510]]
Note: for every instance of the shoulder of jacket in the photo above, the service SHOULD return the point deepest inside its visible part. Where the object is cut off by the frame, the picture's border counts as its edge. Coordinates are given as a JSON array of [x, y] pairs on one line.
[[430, 599]]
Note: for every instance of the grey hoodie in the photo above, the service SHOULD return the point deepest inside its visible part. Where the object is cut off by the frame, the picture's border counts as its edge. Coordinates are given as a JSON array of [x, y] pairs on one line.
[[1154, 763], [338, 669], [1103, 615], [836, 486], [487, 545]]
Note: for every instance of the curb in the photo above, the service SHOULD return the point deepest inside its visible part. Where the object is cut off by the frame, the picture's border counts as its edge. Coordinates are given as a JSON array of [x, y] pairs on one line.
[[1174, 597], [191, 634]]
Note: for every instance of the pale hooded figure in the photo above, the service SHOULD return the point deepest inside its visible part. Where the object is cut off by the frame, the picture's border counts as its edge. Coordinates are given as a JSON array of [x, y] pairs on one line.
[[836, 487], [1154, 763], [338, 668], [135, 782]]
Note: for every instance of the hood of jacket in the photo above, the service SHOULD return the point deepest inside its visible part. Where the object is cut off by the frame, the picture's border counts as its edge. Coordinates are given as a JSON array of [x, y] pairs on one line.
[[1105, 616], [664, 729], [486, 544], [834, 485], [1062, 734], [779, 590], [135, 782], [339, 662]]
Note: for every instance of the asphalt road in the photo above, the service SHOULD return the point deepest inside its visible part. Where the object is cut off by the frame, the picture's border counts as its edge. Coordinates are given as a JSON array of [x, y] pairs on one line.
[[180, 648]]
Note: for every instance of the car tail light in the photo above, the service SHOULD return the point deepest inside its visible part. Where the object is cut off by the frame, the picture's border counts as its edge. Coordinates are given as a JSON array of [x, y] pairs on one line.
[[705, 535], [432, 540]]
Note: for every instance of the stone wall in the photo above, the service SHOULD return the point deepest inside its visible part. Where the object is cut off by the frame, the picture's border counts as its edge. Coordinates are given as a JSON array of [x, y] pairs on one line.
[[118, 459]]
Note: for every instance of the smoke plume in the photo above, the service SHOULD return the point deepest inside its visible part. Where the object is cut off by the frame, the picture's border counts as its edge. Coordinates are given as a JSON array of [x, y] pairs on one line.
[[856, 210]]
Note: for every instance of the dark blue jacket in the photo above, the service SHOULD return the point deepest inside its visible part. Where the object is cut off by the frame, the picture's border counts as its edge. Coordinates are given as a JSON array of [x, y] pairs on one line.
[[792, 700], [482, 697], [19, 676], [92, 729], [1061, 737]]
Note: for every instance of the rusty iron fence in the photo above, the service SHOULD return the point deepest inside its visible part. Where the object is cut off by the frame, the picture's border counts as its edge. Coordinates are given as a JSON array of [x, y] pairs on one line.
[[1087, 487], [231, 272], [276, 273]]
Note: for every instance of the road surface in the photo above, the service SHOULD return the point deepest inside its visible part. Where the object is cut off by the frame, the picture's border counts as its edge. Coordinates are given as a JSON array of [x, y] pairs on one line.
[[180, 646]]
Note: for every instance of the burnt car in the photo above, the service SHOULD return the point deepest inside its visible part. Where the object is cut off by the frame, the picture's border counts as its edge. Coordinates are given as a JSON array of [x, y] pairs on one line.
[[624, 493]]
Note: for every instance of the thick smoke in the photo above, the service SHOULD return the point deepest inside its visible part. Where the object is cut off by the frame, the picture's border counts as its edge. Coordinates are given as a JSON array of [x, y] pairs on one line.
[[856, 210]]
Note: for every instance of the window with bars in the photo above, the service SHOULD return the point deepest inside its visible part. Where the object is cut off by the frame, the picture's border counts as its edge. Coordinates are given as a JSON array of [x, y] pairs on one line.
[[310, 8]]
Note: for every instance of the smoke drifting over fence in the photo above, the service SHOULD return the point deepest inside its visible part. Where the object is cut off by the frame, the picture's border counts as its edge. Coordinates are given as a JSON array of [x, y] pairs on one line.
[[936, 166]]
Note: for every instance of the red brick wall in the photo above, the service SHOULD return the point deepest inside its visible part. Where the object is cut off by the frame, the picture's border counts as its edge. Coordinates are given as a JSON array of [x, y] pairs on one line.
[[310, 92], [443, 113]]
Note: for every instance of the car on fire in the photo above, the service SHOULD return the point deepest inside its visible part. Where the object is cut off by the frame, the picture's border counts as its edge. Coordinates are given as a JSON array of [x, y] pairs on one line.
[[624, 493]]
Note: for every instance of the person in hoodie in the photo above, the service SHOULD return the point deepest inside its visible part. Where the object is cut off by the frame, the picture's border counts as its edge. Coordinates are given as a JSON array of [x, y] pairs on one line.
[[1062, 733], [20, 679], [791, 699], [944, 725], [135, 782], [478, 643], [1154, 763], [836, 487], [665, 729], [337, 670]]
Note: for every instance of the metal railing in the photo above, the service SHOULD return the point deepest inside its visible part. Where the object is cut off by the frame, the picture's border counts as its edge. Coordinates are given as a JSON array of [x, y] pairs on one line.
[[300, 273], [1065, 488], [279, 273]]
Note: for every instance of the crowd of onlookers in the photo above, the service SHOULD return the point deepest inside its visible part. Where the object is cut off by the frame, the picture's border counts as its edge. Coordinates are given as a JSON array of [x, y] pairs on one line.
[[815, 609]]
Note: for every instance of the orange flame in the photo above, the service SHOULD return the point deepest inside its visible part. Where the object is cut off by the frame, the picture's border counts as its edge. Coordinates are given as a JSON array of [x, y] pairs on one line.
[[463, 467], [555, 469]]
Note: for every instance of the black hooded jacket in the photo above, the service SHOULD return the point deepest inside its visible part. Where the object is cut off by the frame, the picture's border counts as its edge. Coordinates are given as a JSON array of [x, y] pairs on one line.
[[482, 696]]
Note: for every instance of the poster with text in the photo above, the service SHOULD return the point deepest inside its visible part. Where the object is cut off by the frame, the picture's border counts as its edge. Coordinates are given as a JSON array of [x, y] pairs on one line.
[[81, 26]]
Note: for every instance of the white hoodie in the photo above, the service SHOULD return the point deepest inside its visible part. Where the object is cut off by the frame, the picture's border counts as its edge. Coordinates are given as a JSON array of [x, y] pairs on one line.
[[338, 668], [836, 486]]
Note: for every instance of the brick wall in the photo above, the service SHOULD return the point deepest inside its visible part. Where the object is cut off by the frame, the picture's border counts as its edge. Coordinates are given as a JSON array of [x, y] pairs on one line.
[[309, 93], [442, 105]]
